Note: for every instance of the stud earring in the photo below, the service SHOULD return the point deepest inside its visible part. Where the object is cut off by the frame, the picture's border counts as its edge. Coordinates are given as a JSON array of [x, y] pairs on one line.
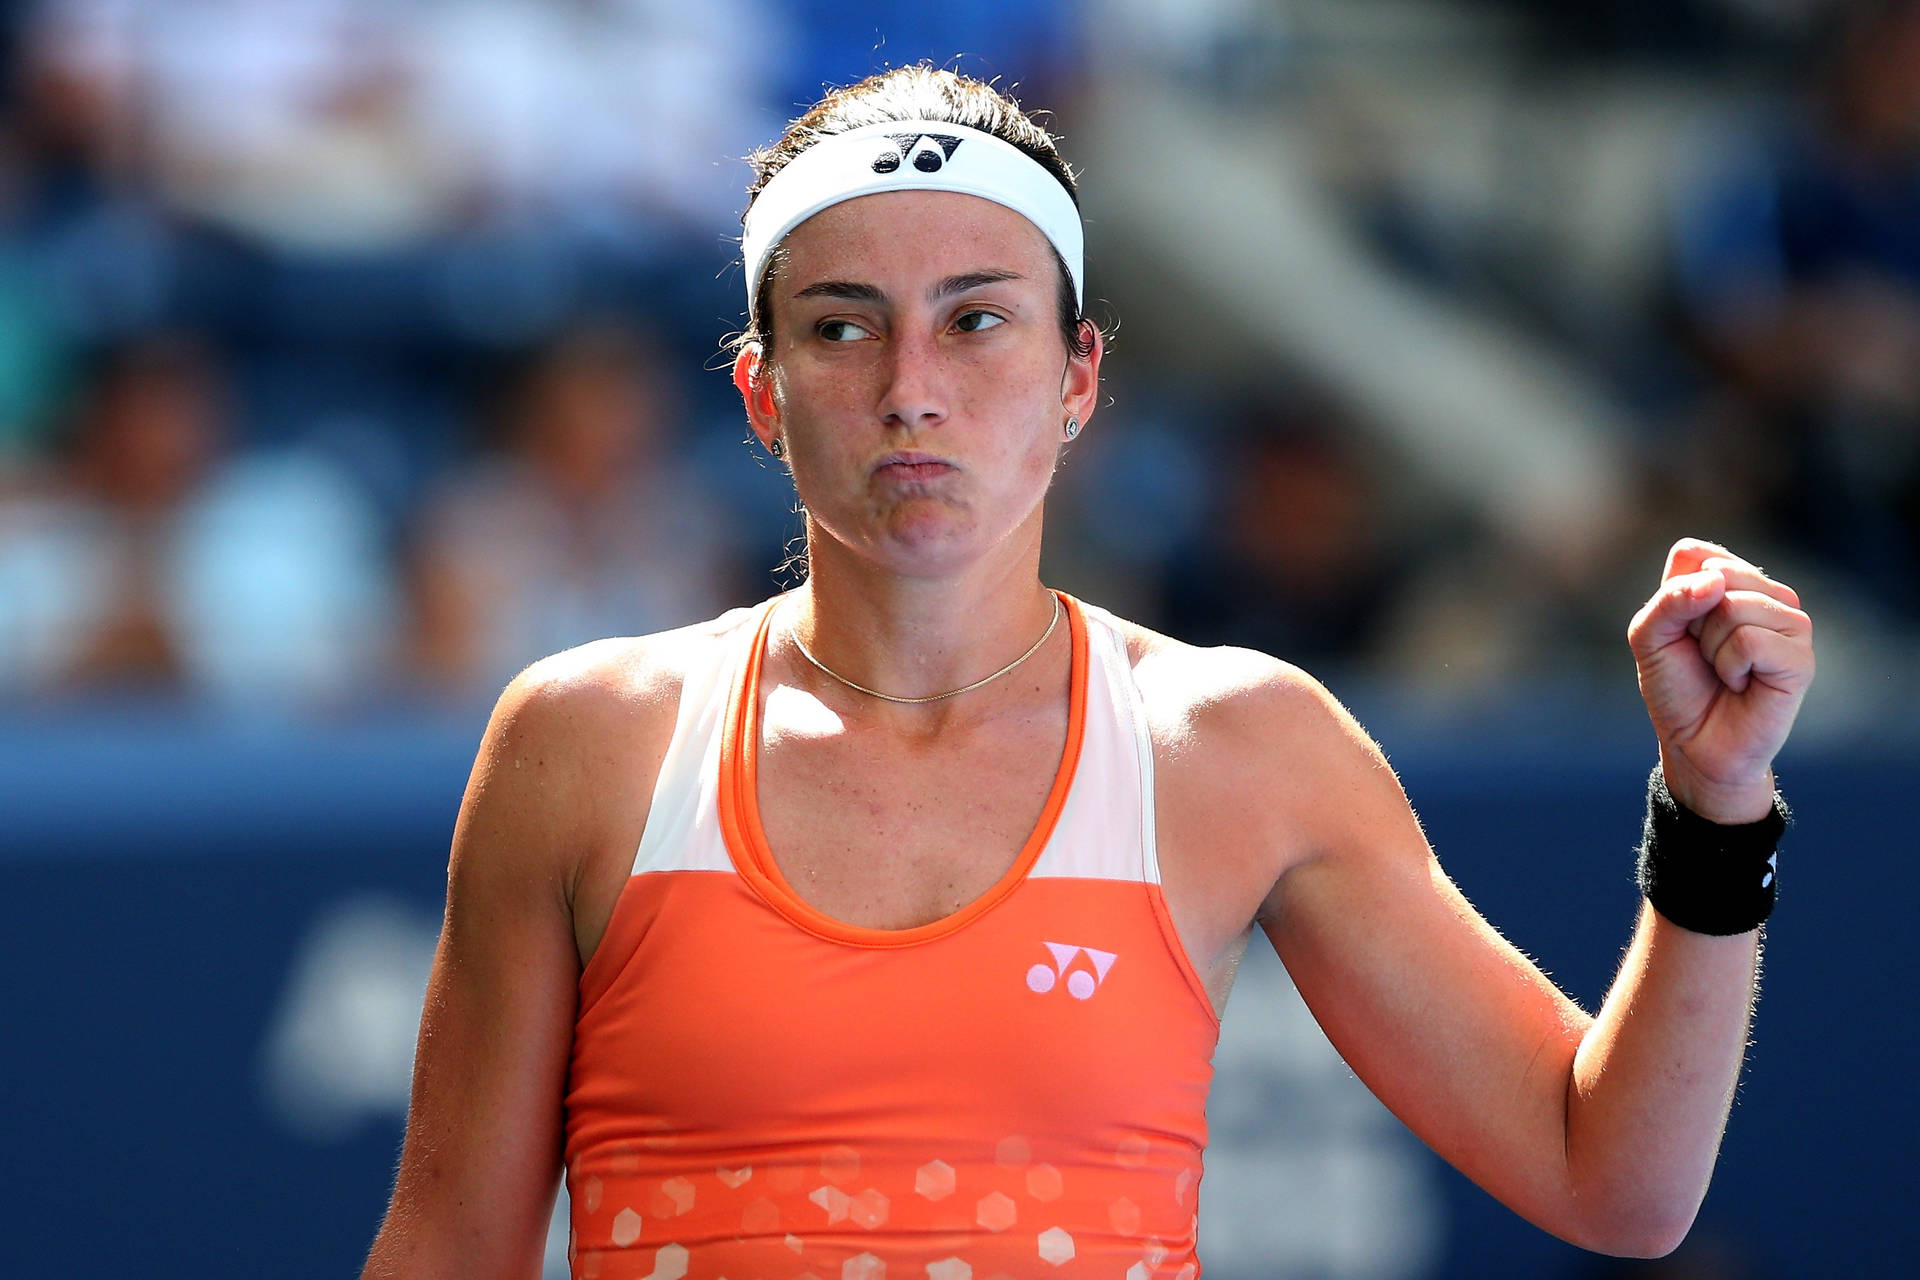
[[777, 447], [1073, 427]]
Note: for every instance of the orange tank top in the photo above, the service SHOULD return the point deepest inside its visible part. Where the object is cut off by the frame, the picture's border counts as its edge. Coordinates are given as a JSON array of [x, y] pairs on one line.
[[1017, 1090]]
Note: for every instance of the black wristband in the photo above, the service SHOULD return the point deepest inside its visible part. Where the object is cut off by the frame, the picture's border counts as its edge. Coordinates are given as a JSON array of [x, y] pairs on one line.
[[1705, 876]]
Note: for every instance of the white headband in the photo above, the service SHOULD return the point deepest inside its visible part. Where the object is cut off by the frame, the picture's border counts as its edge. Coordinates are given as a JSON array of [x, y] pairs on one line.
[[910, 155]]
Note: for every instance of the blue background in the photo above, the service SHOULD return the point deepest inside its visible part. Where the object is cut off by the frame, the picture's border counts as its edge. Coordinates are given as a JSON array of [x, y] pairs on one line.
[[157, 877]]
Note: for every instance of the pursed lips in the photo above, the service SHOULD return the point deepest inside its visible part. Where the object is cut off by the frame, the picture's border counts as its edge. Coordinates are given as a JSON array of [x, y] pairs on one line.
[[913, 465]]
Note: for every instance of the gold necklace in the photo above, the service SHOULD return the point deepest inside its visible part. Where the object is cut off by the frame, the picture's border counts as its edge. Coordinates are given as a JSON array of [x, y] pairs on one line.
[[933, 697]]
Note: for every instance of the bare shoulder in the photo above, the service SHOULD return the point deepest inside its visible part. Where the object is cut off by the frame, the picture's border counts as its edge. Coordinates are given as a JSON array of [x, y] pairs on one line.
[[1261, 770], [1237, 707], [564, 776], [575, 700]]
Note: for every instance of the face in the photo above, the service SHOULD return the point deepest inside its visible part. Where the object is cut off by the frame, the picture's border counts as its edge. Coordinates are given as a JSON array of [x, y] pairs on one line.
[[919, 381]]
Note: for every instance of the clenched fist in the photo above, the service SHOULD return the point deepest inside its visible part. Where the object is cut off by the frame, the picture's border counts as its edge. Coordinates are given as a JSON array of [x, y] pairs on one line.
[[1725, 655]]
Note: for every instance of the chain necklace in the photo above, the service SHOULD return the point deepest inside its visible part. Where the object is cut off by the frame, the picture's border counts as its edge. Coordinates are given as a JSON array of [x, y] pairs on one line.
[[934, 697]]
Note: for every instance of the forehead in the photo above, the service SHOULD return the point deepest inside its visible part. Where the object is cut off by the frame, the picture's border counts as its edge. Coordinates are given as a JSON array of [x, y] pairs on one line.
[[904, 236]]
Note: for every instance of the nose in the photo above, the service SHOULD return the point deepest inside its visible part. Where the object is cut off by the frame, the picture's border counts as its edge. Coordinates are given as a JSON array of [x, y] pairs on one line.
[[914, 395]]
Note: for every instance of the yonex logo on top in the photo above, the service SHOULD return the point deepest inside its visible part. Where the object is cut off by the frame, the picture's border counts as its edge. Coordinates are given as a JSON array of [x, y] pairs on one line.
[[1082, 979], [929, 151]]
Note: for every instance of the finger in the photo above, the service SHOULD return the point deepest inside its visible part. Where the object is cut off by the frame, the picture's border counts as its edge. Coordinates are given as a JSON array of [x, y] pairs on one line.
[[1689, 554], [1743, 576], [1755, 653], [1748, 609], [1673, 609]]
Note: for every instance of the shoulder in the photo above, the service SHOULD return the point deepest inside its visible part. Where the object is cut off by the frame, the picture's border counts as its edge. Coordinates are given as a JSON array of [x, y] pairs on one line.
[[1256, 753], [1231, 702], [618, 686], [570, 753]]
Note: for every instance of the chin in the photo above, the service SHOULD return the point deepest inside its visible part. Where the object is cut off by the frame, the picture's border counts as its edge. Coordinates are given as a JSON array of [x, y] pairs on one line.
[[919, 550], [923, 540]]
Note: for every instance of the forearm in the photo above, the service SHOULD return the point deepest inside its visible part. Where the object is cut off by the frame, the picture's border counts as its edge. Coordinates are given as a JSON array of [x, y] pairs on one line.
[[1653, 1081]]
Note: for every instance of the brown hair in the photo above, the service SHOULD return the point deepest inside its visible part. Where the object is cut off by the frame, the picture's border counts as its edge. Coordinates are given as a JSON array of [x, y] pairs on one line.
[[913, 93]]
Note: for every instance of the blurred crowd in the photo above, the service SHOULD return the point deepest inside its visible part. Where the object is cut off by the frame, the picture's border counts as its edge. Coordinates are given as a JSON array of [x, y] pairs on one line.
[[354, 351]]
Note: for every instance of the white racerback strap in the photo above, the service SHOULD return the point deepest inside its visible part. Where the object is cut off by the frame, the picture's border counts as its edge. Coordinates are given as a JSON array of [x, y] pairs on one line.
[[1105, 831], [683, 824]]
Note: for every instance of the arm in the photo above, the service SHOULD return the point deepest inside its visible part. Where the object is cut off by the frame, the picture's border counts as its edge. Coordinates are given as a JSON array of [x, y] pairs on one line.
[[1601, 1130], [483, 1143]]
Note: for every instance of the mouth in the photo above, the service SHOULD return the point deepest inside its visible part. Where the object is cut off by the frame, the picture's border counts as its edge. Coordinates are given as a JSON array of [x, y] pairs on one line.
[[911, 465]]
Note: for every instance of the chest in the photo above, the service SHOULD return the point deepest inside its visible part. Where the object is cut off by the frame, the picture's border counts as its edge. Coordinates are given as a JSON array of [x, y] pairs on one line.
[[896, 833], [892, 830]]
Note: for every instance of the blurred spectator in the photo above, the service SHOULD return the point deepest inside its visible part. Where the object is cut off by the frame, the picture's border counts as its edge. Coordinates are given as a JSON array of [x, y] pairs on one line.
[[1298, 561], [583, 524], [1798, 261], [610, 117], [356, 125], [149, 560]]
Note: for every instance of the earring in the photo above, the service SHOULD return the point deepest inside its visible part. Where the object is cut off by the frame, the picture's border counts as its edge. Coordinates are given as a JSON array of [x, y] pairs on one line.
[[1073, 427], [777, 447]]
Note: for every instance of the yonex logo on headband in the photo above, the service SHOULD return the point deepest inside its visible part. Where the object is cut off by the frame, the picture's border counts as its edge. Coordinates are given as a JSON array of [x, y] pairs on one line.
[[894, 156], [930, 151]]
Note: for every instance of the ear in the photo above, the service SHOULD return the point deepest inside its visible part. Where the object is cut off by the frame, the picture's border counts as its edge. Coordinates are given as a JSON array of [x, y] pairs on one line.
[[1080, 384], [754, 380]]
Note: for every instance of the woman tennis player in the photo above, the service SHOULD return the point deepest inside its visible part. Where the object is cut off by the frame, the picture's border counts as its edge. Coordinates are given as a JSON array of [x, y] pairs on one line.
[[881, 929]]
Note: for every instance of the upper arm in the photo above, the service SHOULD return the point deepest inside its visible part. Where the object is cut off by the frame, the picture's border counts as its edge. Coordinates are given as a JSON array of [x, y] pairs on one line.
[[1456, 1031], [484, 1128]]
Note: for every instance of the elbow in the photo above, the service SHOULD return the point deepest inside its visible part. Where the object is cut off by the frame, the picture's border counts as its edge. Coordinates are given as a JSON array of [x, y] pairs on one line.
[[1637, 1231], [1641, 1242]]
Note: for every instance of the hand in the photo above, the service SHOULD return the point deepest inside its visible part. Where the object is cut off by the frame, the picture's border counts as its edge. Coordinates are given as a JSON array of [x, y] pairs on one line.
[[1725, 657]]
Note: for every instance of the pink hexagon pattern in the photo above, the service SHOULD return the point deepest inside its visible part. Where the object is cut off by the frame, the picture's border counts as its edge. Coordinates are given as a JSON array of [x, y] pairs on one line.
[[1156, 1251], [1125, 1216], [997, 1212], [869, 1208], [1044, 1182], [679, 1193], [760, 1218], [863, 1266], [626, 1227], [934, 1180], [1056, 1247], [836, 1202], [949, 1269], [669, 1263]]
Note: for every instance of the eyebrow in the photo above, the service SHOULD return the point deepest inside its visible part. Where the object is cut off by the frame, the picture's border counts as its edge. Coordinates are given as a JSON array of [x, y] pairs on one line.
[[854, 291]]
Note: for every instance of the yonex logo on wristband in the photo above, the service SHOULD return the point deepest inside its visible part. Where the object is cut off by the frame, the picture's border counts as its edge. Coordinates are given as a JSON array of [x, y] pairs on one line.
[[1082, 979], [930, 151]]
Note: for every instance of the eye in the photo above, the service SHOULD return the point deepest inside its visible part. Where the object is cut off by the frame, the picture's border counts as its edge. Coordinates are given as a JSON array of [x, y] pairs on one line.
[[841, 331], [975, 321]]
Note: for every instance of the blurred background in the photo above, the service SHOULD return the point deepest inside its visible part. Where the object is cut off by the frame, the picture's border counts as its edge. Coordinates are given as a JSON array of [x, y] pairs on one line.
[[355, 353]]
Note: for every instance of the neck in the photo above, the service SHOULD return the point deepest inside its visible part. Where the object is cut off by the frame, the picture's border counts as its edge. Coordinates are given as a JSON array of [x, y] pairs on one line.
[[918, 636]]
